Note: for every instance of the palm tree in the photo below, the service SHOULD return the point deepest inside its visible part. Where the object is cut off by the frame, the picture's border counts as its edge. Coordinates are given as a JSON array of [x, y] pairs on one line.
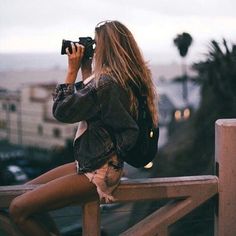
[[183, 42]]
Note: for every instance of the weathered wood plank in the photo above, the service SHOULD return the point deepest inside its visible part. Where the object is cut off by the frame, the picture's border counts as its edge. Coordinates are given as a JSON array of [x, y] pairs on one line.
[[171, 212], [145, 227], [164, 188], [8, 193], [133, 189], [225, 153], [91, 219]]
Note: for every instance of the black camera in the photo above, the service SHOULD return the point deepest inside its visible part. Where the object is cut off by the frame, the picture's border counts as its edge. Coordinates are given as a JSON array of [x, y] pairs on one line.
[[87, 42]]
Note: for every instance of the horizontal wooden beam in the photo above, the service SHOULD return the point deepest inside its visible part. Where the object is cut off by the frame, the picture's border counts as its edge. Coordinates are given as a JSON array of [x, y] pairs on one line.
[[164, 188], [135, 189], [8, 193]]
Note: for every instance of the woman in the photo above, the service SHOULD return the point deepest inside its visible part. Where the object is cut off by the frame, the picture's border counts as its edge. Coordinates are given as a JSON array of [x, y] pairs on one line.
[[103, 101]]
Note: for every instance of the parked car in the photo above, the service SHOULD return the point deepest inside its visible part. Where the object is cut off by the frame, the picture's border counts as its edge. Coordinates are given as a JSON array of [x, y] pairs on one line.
[[12, 174]]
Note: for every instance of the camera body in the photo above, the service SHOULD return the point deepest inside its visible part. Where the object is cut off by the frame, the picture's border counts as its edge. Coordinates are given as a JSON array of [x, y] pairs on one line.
[[87, 42]]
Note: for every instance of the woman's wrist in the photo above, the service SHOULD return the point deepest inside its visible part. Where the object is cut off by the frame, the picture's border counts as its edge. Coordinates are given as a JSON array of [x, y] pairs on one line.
[[71, 77]]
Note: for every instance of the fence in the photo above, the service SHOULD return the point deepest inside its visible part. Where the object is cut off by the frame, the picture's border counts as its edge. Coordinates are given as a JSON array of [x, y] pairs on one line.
[[187, 193]]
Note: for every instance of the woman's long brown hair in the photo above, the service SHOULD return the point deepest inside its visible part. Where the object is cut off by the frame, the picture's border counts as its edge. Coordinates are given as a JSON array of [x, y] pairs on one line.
[[118, 54]]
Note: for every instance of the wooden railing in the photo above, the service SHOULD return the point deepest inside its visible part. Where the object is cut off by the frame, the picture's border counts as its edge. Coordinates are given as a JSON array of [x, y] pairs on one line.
[[185, 193]]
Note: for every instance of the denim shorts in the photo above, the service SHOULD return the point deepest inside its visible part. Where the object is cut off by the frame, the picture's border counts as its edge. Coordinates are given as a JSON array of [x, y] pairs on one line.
[[106, 178]]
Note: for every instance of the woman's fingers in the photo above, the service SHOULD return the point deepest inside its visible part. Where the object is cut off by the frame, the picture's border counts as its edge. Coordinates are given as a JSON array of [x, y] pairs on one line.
[[67, 51], [77, 51], [73, 48], [80, 50], [75, 57]]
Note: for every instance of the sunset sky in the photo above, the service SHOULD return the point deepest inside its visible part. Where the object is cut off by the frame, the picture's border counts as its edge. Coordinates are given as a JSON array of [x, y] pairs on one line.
[[28, 26]]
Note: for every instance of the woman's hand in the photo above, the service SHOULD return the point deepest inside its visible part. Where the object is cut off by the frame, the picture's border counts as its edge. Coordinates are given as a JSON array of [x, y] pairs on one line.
[[74, 62]]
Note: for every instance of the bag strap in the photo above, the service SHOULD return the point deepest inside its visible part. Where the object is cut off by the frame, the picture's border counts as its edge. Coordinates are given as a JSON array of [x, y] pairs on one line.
[[142, 100]]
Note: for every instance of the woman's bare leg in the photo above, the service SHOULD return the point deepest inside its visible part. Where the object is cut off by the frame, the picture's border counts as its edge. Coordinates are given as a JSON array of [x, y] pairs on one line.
[[55, 173], [52, 195]]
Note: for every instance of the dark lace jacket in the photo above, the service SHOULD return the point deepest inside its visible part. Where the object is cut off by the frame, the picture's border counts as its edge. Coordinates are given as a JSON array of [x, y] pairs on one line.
[[104, 106]]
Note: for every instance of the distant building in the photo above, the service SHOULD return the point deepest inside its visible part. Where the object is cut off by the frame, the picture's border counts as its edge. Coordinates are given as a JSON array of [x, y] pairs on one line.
[[26, 118], [172, 106], [173, 109], [26, 115], [166, 107]]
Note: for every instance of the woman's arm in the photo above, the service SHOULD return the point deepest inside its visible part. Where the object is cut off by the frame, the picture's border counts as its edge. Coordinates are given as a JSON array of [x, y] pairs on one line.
[[71, 107], [74, 62]]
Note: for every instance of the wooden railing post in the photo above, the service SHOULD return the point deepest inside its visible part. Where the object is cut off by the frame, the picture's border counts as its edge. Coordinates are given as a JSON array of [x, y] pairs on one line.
[[91, 219], [225, 152]]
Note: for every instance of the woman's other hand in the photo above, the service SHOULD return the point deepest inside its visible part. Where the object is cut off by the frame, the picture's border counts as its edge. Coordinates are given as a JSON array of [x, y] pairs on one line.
[[74, 62]]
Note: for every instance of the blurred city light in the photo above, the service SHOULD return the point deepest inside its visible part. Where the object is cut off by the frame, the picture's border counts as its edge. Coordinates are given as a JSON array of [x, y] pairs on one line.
[[149, 165]]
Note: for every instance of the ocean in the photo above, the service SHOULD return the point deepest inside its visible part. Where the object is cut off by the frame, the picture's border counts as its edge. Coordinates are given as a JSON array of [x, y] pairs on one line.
[[19, 69], [16, 70], [31, 61]]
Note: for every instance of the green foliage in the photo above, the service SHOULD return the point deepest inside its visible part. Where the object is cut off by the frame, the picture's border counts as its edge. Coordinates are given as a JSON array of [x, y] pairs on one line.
[[218, 94], [183, 42], [190, 150], [218, 77]]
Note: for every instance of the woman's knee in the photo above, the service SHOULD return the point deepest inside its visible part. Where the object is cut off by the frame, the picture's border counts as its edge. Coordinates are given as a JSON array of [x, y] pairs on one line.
[[17, 210]]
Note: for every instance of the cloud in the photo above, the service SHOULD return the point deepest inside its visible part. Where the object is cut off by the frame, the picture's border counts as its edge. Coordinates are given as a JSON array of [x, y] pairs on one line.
[[39, 25], [27, 13], [210, 8]]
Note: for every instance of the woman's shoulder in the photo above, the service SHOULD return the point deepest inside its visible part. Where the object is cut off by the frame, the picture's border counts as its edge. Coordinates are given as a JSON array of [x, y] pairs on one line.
[[106, 80], [107, 84]]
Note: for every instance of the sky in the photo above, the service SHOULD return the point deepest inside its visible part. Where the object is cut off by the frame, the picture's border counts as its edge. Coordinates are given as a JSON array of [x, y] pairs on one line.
[[38, 26]]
